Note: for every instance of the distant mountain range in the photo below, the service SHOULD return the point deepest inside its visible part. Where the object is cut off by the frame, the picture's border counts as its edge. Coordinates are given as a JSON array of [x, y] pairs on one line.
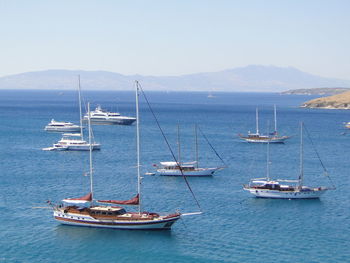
[[253, 78]]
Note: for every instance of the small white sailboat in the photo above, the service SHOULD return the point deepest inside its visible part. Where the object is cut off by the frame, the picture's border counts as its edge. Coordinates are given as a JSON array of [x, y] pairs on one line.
[[105, 213], [284, 189], [62, 126], [180, 168], [74, 141], [257, 137], [100, 116]]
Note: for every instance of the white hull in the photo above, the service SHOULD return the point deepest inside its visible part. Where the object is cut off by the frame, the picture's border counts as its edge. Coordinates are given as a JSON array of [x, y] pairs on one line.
[[197, 172], [83, 147], [66, 129], [114, 121], [73, 148], [88, 221], [266, 193], [267, 140]]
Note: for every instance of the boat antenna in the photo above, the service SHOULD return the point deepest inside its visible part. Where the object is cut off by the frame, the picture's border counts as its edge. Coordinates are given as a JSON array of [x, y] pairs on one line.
[[301, 175], [138, 145], [257, 120], [211, 146], [168, 145], [80, 113], [90, 152], [319, 158]]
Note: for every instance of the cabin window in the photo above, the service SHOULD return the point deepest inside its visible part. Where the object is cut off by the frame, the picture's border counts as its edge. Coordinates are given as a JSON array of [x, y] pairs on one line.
[[110, 213]]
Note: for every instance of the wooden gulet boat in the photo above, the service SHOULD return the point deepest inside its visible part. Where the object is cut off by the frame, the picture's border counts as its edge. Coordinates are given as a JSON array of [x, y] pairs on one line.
[[257, 137], [285, 189], [108, 213]]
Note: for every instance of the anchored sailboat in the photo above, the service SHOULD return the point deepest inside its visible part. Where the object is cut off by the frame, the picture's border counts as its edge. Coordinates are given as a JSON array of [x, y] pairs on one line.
[[179, 168], [74, 141], [257, 137], [109, 215], [285, 189]]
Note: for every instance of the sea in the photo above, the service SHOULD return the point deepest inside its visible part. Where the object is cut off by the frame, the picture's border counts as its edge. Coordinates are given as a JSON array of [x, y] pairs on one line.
[[234, 226]]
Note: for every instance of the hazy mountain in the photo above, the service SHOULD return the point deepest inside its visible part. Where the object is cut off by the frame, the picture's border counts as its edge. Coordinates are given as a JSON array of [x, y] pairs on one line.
[[250, 78]]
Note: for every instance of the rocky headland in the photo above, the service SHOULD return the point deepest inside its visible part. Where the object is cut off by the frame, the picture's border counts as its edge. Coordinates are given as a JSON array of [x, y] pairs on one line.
[[338, 101]]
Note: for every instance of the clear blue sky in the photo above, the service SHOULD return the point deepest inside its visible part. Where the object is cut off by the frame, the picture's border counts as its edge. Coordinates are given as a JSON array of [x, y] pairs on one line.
[[164, 37]]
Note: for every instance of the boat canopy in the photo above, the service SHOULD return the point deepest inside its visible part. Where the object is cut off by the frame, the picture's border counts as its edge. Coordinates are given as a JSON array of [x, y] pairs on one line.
[[81, 200], [133, 201]]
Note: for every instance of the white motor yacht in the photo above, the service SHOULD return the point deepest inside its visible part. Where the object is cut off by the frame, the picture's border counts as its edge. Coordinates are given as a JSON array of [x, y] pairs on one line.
[[62, 126], [100, 116], [72, 142]]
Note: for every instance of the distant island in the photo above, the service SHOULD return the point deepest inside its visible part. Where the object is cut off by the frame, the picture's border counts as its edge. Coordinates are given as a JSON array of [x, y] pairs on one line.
[[338, 101], [316, 91], [252, 78]]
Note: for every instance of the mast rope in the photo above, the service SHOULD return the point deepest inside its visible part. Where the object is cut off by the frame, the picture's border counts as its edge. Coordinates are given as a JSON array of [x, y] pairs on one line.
[[212, 147], [318, 156], [168, 145]]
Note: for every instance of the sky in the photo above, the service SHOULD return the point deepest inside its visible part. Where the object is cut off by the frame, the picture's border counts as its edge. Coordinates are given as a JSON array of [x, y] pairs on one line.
[[171, 38]]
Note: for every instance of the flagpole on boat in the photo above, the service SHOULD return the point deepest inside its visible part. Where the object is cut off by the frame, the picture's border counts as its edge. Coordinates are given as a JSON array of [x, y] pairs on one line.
[[90, 153], [138, 145]]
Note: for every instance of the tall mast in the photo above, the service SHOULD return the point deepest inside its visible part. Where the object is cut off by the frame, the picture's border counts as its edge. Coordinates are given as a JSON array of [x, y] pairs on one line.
[[178, 145], [257, 120], [138, 145], [301, 176], [90, 151], [196, 144], [268, 155], [275, 117], [80, 113]]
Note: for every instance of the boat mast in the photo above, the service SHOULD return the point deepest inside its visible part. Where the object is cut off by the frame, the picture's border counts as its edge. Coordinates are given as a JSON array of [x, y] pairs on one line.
[[90, 151], [257, 120], [268, 156], [275, 117], [178, 145], [80, 113], [301, 175], [138, 145], [196, 144]]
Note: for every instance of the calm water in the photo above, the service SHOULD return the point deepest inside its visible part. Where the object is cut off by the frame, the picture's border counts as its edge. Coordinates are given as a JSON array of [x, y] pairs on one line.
[[235, 227]]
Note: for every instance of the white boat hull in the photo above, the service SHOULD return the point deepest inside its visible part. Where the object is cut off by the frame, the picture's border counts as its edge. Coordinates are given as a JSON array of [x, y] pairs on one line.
[[65, 129], [266, 193], [267, 140], [83, 147], [114, 121], [88, 221], [195, 173]]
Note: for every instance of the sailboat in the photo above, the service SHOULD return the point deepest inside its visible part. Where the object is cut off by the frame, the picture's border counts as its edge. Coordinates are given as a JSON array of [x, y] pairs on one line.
[[105, 213], [257, 137], [179, 168], [285, 189], [74, 141]]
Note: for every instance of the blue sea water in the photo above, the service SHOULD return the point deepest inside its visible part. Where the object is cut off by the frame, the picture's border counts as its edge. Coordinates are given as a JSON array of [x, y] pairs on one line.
[[235, 227]]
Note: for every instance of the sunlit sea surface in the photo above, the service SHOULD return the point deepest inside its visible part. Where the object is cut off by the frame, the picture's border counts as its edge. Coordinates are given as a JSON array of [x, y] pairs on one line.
[[235, 227]]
